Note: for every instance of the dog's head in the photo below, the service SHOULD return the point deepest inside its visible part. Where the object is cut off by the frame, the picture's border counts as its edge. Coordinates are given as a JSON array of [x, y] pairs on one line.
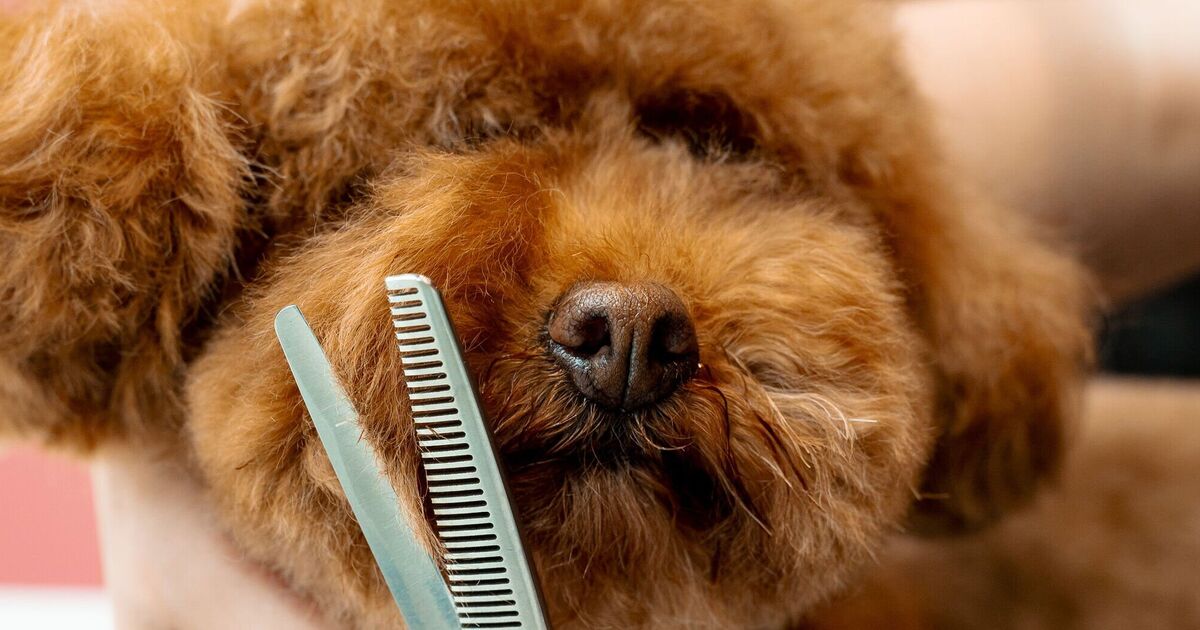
[[728, 322]]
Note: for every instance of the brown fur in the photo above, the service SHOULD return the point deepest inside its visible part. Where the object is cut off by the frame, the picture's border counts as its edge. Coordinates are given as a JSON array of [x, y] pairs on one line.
[[1114, 545], [171, 176]]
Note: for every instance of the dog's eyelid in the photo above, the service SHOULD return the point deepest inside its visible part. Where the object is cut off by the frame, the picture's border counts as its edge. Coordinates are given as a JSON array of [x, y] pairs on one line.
[[710, 123], [769, 375]]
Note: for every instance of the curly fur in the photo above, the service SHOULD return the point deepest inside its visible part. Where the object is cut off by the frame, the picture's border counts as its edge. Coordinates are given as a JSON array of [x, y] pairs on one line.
[[1112, 546], [170, 176]]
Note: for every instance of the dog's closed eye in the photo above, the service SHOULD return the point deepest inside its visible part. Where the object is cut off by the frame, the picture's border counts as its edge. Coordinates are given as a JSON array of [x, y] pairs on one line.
[[770, 376], [709, 123]]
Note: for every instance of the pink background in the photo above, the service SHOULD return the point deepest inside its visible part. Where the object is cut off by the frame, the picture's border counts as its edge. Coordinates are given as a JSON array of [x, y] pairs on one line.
[[47, 526]]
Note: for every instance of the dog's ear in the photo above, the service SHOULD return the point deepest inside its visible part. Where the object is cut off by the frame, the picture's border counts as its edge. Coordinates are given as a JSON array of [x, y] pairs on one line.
[[1007, 324], [709, 122], [120, 203], [1006, 317]]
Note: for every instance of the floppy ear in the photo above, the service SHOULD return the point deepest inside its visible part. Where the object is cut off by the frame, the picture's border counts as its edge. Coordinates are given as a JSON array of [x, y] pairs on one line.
[[1007, 323], [1005, 316], [119, 206]]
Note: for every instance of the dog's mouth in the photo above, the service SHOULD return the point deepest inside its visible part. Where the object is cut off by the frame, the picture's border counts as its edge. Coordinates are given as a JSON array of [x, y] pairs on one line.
[[675, 456], [593, 439], [701, 490], [602, 439]]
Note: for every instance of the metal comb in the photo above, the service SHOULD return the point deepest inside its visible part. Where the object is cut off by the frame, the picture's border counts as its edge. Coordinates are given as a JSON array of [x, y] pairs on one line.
[[491, 579]]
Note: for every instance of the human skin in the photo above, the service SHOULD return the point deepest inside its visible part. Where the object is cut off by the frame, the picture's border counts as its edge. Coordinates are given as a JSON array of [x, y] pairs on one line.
[[1027, 143], [166, 562]]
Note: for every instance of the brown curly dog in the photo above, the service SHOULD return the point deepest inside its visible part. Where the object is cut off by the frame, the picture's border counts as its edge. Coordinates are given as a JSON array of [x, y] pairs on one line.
[[732, 325]]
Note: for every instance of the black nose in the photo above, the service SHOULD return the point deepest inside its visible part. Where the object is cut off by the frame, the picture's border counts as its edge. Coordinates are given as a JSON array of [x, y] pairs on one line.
[[625, 345]]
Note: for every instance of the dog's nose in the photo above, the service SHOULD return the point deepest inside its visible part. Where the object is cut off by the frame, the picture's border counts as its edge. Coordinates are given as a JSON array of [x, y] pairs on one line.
[[625, 345]]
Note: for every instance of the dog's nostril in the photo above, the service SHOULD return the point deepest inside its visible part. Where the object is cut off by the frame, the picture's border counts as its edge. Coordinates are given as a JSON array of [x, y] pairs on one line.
[[624, 345], [673, 337], [584, 336]]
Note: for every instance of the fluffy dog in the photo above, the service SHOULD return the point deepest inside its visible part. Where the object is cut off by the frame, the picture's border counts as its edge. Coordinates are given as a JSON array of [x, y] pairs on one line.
[[796, 336]]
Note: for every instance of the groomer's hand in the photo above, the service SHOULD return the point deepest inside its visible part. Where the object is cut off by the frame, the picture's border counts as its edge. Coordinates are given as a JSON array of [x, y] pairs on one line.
[[166, 562]]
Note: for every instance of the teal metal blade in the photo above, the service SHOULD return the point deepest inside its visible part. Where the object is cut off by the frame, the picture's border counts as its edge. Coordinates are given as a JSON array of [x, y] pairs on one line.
[[410, 572]]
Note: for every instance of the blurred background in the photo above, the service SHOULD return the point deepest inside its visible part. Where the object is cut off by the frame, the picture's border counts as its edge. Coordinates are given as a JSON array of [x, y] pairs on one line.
[[1086, 114], [50, 574]]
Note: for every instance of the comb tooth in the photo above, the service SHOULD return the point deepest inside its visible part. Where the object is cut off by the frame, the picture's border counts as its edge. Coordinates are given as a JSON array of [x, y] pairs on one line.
[[479, 546], [436, 422], [461, 502], [448, 460], [459, 506], [476, 592], [482, 565], [420, 377], [486, 604], [466, 584], [453, 507], [453, 478], [419, 363], [429, 433], [488, 615], [433, 429], [463, 520], [409, 321], [471, 561], [416, 354], [470, 541], [423, 414], [444, 463], [451, 470], [480, 589], [451, 496], [435, 446], [418, 394], [487, 553], [442, 448], [495, 571], [441, 434], [415, 343], [432, 399], [423, 366], [462, 524]]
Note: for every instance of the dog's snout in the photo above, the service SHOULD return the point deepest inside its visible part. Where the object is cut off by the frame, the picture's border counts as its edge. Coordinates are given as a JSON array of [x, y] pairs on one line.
[[625, 345]]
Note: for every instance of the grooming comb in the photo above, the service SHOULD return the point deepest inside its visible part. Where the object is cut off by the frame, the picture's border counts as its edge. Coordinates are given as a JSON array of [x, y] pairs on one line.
[[491, 581]]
